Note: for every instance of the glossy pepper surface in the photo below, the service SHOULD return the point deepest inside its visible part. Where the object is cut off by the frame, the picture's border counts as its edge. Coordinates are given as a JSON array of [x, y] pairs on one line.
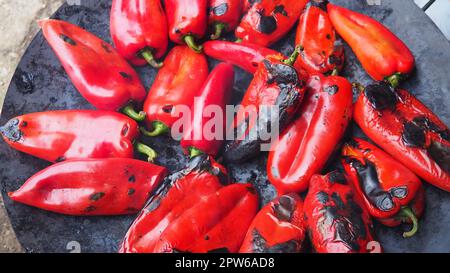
[[267, 21], [382, 54], [102, 76], [337, 220], [139, 30], [406, 129], [224, 16], [322, 51], [307, 144], [391, 193], [176, 85], [92, 187], [278, 228], [216, 92]]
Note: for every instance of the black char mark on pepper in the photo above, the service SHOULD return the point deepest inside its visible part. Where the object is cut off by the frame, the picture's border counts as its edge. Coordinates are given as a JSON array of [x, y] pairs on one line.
[[97, 196], [322, 197], [267, 24], [337, 177], [413, 135], [441, 154], [281, 10], [260, 245], [284, 208], [220, 9], [322, 4], [332, 90], [125, 75], [381, 96], [11, 131], [67, 39]]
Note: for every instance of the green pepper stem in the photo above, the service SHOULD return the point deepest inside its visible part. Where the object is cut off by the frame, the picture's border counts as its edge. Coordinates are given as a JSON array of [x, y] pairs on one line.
[[218, 29], [147, 54], [238, 40], [190, 41], [146, 150], [129, 111], [407, 212], [335, 72], [194, 152], [394, 80], [291, 60], [159, 128]]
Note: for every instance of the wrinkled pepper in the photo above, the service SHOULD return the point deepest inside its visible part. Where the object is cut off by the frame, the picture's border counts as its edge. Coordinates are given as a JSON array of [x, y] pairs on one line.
[[224, 16], [92, 187], [278, 228], [306, 146], [382, 54], [406, 129], [139, 30], [392, 193]]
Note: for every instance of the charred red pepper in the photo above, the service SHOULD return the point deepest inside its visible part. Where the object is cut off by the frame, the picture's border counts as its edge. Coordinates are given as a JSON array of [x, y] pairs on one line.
[[322, 51], [102, 76], [382, 54], [187, 21], [139, 30], [74, 134], [176, 85], [307, 145], [216, 92], [278, 228], [267, 21], [406, 129], [337, 220], [92, 187], [224, 16], [392, 193]]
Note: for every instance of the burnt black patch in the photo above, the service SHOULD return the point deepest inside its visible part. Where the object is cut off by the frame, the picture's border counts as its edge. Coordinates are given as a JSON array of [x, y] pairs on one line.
[[285, 208], [67, 39], [97, 196], [279, 9], [322, 4], [281, 73], [337, 177], [413, 135], [125, 75], [267, 24], [60, 159], [131, 191], [381, 96], [338, 201], [332, 90], [399, 192], [11, 131], [24, 81], [322, 197], [132, 179], [167, 108], [220, 9], [259, 244], [441, 155], [219, 250]]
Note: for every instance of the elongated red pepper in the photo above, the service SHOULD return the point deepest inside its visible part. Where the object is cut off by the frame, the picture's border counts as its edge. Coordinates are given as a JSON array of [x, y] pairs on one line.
[[307, 145], [74, 134], [175, 86], [91, 187], [139, 30], [244, 55], [278, 228], [382, 54], [337, 220], [224, 16], [267, 21], [216, 92], [322, 51], [406, 129], [392, 193], [102, 76], [187, 21]]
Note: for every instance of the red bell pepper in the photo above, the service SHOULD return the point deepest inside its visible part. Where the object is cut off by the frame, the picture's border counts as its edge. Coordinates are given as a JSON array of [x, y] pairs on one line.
[[382, 54], [102, 76], [216, 92], [139, 30], [74, 134], [176, 85], [322, 51], [406, 129], [392, 193], [187, 21], [337, 220], [267, 21], [278, 228], [91, 187], [307, 145], [224, 15]]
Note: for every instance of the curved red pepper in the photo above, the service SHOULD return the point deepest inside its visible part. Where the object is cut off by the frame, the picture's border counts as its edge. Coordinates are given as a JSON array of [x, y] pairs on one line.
[[323, 51], [176, 85], [92, 187], [187, 21], [306, 146], [216, 92], [381, 53], [390, 191], [224, 15], [139, 30], [268, 21], [406, 129], [101, 75], [337, 220], [278, 228]]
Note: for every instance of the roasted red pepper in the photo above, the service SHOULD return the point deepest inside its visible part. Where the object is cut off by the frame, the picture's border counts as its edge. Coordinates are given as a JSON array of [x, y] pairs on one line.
[[216, 92], [176, 85], [187, 21], [102, 76], [322, 51], [91, 187], [382, 54], [278, 228], [267, 21], [392, 193], [307, 145], [74, 134], [276, 83], [337, 220], [224, 15], [406, 129], [139, 30]]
